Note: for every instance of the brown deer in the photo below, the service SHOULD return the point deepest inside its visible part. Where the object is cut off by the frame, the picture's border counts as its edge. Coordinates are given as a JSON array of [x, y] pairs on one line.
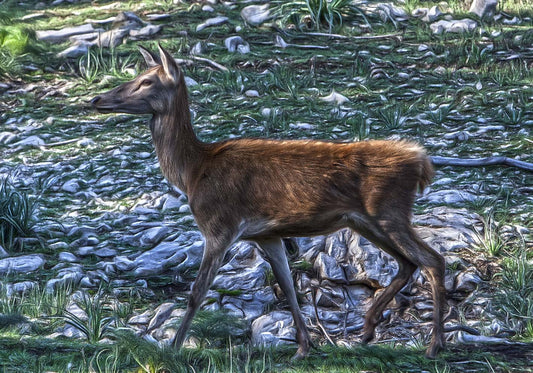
[[262, 190]]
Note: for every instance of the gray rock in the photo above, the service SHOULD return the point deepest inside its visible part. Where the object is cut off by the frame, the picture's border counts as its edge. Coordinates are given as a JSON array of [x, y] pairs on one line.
[[3, 253], [216, 21], [273, 329], [484, 8], [168, 254], [454, 26], [427, 15], [154, 235], [328, 269], [57, 36], [124, 263], [71, 186], [79, 49], [162, 313], [467, 281], [237, 44], [112, 38], [255, 15], [105, 252], [145, 31], [67, 257], [21, 264], [449, 196], [30, 141]]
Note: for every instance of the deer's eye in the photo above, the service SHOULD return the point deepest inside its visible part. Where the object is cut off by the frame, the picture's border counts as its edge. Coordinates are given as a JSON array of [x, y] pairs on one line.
[[146, 83]]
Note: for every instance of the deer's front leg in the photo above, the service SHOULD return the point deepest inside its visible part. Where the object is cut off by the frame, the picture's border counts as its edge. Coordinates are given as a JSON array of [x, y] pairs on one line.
[[212, 258], [274, 252]]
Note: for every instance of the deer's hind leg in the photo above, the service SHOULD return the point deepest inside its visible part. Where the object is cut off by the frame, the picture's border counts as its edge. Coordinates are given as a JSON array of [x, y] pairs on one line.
[[405, 240]]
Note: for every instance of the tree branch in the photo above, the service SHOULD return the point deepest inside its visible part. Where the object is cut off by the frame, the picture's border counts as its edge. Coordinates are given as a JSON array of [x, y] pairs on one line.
[[476, 162]]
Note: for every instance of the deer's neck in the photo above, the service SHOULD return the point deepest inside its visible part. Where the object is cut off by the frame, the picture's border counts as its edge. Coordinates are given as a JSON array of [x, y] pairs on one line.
[[179, 151]]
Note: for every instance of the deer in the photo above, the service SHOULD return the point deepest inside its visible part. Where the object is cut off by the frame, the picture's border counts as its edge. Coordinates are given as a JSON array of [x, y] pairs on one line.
[[265, 190]]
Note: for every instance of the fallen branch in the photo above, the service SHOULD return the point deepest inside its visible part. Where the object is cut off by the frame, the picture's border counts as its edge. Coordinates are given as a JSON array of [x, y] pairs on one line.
[[182, 61], [369, 37], [476, 162]]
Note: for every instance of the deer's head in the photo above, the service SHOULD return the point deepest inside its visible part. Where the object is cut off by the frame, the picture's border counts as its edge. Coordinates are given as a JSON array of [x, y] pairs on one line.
[[152, 92]]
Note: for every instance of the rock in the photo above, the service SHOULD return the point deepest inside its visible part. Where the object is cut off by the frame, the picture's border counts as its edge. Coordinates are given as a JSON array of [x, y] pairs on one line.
[[273, 329], [30, 141], [335, 98], [21, 264], [79, 49], [328, 269], [124, 263], [112, 38], [467, 281], [255, 15], [154, 235], [427, 15], [67, 257], [449, 197], [71, 186], [453, 26], [105, 252], [3, 252], [168, 254], [161, 314], [57, 36], [172, 202], [251, 93], [190, 82], [484, 8], [237, 44], [216, 21], [145, 31]]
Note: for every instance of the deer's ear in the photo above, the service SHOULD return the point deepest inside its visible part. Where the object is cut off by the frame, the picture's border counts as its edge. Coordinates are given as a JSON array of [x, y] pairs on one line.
[[169, 64], [151, 59]]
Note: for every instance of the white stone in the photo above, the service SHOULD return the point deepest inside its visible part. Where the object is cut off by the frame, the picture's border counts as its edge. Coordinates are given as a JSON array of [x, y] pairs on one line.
[[255, 15], [273, 329], [237, 44], [65, 256], [21, 264], [71, 186], [212, 22], [335, 98], [453, 26], [55, 36], [30, 141], [484, 8]]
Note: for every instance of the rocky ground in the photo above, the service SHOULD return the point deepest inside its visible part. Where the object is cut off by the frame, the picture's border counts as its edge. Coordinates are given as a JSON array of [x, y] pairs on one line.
[[106, 219]]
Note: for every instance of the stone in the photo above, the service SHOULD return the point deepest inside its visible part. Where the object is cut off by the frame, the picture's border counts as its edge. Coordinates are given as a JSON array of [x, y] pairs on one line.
[[145, 31], [467, 281], [328, 269], [21, 264], [335, 98], [237, 44], [451, 197], [427, 15], [112, 38], [57, 36], [153, 236], [161, 314], [484, 8], [33, 140], [71, 186], [168, 254], [67, 257], [3, 252], [273, 329], [81, 48], [454, 26], [105, 252], [216, 21], [255, 15]]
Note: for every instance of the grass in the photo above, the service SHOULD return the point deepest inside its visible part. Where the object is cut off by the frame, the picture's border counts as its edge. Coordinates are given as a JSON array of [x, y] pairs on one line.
[[16, 216], [395, 89]]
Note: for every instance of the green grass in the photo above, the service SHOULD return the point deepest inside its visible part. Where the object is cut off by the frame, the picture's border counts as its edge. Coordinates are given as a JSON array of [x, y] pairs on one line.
[[396, 89]]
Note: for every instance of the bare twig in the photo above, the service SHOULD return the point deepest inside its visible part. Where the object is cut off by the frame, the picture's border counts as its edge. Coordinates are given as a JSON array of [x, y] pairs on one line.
[[318, 322], [201, 59], [369, 37], [476, 162]]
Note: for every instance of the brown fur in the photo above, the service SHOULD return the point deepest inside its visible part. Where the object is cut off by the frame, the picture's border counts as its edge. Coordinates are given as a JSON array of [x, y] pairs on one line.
[[262, 190]]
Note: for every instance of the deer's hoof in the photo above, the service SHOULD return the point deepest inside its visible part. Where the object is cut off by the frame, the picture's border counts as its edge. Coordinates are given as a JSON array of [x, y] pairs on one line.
[[367, 337], [300, 354]]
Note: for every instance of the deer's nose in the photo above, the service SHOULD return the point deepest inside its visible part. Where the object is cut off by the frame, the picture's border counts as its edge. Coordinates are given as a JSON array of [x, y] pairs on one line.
[[95, 100]]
